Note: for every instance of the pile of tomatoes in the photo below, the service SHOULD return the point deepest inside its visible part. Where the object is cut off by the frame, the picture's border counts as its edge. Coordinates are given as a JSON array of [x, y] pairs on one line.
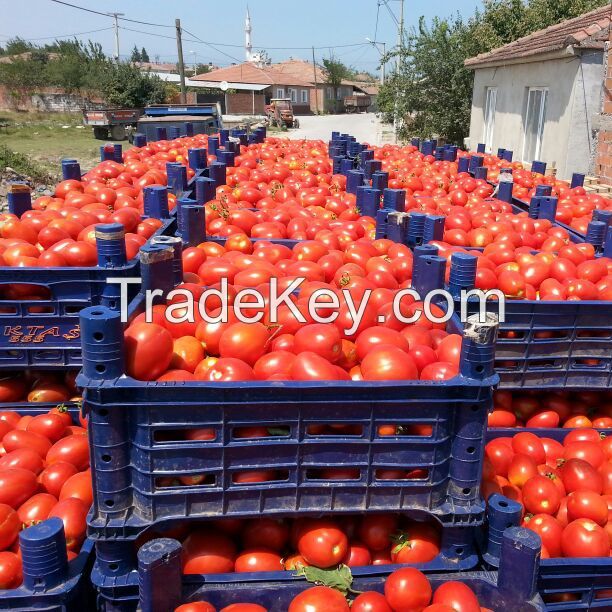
[[405, 589], [565, 488], [560, 272], [272, 545], [377, 345], [44, 473], [550, 409]]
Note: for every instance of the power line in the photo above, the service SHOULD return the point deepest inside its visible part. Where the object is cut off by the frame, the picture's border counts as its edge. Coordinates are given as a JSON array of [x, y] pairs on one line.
[[82, 8], [198, 39], [155, 34], [58, 35]]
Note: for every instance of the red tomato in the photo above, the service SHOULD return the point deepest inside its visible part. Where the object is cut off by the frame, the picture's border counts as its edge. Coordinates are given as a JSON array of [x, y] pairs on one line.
[[419, 543], [376, 530], [148, 349], [208, 552], [322, 543], [541, 496], [78, 486], [319, 599], [53, 477], [10, 526], [370, 601], [73, 513], [407, 589], [587, 505], [577, 475], [196, 606], [244, 341], [49, 425], [265, 532], [18, 438], [319, 338], [11, 575], [358, 555], [458, 596], [388, 363], [24, 458], [16, 486], [549, 529], [36, 509], [585, 538], [258, 560], [72, 449]]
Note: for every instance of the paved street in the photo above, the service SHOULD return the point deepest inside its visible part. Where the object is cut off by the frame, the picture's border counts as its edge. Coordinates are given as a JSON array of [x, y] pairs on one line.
[[366, 127]]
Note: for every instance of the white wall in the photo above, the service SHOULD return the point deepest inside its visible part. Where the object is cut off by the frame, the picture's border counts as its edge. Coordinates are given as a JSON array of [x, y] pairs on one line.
[[565, 144]]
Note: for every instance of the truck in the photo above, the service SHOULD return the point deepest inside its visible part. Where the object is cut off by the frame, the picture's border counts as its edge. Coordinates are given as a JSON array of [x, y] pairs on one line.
[[122, 123], [116, 123], [357, 104]]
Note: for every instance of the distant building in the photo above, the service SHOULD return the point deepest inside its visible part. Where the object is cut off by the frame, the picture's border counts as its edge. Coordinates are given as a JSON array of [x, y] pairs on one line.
[[541, 97]]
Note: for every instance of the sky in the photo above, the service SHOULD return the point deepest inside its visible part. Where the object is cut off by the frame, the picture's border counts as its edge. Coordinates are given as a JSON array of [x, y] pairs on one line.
[[329, 25]]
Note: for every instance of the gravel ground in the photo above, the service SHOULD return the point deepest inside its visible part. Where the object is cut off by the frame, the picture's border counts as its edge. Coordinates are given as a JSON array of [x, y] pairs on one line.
[[366, 127]]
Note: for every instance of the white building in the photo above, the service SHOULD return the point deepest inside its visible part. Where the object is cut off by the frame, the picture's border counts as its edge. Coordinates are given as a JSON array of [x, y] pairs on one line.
[[540, 95]]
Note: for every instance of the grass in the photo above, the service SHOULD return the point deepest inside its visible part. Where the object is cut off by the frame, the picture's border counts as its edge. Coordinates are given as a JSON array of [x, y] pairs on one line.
[[46, 138], [21, 164]]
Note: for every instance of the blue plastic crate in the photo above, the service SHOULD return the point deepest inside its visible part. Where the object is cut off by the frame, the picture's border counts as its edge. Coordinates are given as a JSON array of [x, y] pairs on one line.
[[72, 591], [163, 587], [51, 339], [138, 447], [545, 344], [585, 579], [115, 572]]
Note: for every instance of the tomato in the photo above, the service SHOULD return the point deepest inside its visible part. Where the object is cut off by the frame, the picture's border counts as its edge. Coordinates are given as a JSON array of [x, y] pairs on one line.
[[521, 469], [73, 513], [591, 452], [310, 366], [319, 599], [244, 341], [577, 475], [78, 486], [407, 589], [549, 529], [420, 543], [585, 538], [458, 596], [322, 543], [370, 601], [376, 530], [17, 438], [36, 509], [208, 552], [148, 350], [196, 606], [541, 496], [358, 555], [49, 425], [587, 505], [388, 363], [24, 458], [500, 455], [243, 607], [71, 449], [265, 532], [529, 444], [16, 486], [377, 336], [53, 477], [10, 526], [319, 338], [11, 575], [229, 369]]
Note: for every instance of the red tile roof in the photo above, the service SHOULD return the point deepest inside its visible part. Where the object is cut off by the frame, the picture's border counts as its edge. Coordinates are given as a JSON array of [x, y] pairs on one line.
[[249, 72], [589, 31]]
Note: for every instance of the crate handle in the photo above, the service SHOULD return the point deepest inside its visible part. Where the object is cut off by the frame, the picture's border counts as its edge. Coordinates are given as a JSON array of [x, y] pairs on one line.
[[520, 563], [502, 513], [160, 575]]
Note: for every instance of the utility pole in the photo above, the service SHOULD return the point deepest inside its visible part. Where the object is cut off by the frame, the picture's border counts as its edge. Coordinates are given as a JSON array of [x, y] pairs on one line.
[[115, 17], [179, 46], [316, 89], [398, 67]]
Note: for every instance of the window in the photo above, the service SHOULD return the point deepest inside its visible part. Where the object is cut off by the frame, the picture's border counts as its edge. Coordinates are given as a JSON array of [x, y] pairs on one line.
[[329, 93], [304, 96], [280, 92], [292, 93], [489, 117], [535, 117]]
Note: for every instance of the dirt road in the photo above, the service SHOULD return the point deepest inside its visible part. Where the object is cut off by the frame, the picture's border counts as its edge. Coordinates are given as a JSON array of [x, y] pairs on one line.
[[366, 127]]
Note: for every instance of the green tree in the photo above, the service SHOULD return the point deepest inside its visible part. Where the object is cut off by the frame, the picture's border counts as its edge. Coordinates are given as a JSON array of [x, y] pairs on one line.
[[135, 57], [124, 85], [144, 56], [335, 73]]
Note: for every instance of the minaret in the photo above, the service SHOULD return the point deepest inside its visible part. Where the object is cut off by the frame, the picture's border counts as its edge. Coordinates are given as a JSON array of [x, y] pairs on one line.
[[248, 47]]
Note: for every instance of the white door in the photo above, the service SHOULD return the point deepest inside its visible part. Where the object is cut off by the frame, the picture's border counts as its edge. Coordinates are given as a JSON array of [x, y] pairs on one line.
[[535, 117]]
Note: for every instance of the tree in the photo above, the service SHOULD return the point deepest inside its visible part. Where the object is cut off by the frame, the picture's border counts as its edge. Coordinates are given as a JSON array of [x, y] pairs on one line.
[[136, 56], [124, 85], [201, 69], [335, 73], [432, 93], [144, 56]]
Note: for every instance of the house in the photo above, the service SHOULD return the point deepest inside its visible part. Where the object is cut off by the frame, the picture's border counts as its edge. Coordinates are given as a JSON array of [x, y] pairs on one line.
[[157, 67], [255, 84], [541, 95]]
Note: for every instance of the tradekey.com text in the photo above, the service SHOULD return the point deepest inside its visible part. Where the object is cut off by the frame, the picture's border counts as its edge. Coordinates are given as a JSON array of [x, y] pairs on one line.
[[323, 305]]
